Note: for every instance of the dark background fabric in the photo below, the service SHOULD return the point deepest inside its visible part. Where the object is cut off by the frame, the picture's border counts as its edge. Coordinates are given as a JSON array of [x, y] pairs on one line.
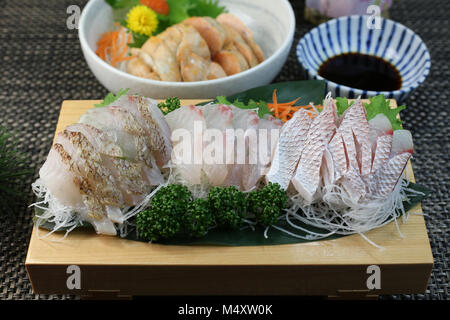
[[41, 64]]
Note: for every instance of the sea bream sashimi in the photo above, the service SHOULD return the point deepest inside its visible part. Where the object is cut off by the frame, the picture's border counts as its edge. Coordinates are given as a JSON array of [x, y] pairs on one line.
[[307, 177], [389, 172], [289, 148], [106, 164]]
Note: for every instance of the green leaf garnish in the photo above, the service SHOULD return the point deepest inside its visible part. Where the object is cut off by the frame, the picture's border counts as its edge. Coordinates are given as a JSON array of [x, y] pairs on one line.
[[258, 106], [119, 4], [179, 10], [379, 105], [206, 8], [342, 105], [110, 98], [376, 105]]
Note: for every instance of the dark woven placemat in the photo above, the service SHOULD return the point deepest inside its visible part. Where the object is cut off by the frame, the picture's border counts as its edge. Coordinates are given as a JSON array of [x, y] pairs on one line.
[[41, 65]]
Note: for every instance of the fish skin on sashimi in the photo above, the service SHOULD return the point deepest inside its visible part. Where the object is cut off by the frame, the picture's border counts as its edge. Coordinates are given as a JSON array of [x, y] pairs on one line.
[[289, 148], [381, 136], [306, 179], [386, 178], [350, 147], [382, 151]]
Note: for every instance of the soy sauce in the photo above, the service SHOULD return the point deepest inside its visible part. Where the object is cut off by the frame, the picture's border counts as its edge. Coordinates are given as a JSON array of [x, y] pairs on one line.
[[361, 71]]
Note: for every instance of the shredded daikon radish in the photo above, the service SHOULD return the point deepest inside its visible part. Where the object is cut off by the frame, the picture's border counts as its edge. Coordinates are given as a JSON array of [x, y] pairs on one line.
[[338, 214]]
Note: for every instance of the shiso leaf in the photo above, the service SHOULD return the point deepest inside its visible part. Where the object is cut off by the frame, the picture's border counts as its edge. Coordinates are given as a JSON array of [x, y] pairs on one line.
[[259, 107], [376, 105], [342, 104], [379, 105], [206, 8], [110, 98]]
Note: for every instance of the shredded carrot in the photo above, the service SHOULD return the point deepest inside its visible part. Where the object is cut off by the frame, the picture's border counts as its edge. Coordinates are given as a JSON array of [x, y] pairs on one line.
[[284, 111], [113, 46]]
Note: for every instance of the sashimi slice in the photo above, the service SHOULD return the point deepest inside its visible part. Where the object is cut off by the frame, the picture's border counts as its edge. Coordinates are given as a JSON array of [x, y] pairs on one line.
[[99, 139], [189, 123], [382, 151], [219, 119], [289, 148], [124, 130], [353, 132], [402, 142], [269, 126], [379, 126], [307, 177], [56, 175], [87, 163], [387, 176], [150, 118], [354, 185], [327, 170], [381, 140], [245, 166]]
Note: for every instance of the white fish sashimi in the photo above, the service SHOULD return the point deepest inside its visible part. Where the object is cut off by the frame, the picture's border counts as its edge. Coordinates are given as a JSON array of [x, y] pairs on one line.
[[99, 139], [289, 148], [307, 177], [152, 121], [269, 132], [219, 119], [124, 129], [187, 125], [56, 175], [402, 142], [379, 126], [243, 172]]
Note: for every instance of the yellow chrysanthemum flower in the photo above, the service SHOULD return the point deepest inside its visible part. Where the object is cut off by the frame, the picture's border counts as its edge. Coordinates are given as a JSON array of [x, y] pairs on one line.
[[143, 20]]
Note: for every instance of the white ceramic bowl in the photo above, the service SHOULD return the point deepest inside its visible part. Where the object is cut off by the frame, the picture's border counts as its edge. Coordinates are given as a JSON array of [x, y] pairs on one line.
[[393, 42], [272, 22]]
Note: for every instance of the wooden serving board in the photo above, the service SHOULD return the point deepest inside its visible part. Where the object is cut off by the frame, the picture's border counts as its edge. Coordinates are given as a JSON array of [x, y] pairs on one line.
[[117, 267]]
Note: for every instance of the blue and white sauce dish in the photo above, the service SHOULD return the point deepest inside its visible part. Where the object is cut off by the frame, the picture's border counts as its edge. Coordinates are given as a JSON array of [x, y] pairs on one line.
[[391, 42]]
